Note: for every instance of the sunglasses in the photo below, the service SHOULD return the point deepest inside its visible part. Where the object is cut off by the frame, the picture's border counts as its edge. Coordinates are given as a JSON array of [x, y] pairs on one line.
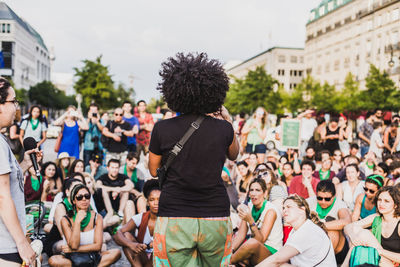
[[80, 197], [371, 191], [118, 114], [327, 199]]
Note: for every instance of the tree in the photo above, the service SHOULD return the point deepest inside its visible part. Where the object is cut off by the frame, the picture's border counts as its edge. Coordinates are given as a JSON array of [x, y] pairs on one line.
[[348, 99], [256, 89], [154, 103], [22, 96], [47, 95], [95, 84], [381, 91]]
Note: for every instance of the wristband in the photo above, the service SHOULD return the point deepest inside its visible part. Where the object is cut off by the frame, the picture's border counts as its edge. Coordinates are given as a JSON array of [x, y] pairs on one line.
[[253, 224]]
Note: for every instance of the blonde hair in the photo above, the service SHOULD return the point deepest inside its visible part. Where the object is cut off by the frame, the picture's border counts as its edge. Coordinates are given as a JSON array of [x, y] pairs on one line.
[[88, 175], [264, 118]]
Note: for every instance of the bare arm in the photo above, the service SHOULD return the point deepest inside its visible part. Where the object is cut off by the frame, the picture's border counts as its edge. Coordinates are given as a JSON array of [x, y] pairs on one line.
[[281, 257], [352, 230], [60, 120], [240, 236], [154, 163], [120, 238], [13, 132], [21, 136], [98, 238], [344, 219], [107, 133], [267, 225], [386, 140], [363, 137], [357, 208], [44, 137]]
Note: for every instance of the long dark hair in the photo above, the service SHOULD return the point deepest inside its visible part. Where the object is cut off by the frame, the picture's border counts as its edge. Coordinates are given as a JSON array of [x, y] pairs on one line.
[[40, 118], [44, 167]]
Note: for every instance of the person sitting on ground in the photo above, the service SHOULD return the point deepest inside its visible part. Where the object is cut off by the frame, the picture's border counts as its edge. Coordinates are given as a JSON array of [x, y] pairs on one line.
[[304, 185], [245, 176], [52, 184], [368, 164], [77, 166], [115, 189], [325, 172], [383, 170], [262, 223], [136, 237], [352, 187], [365, 202], [337, 161], [83, 233], [33, 186], [63, 163], [95, 167], [137, 177], [334, 214], [342, 175], [308, 244], [385, 233], [287, 174], [276, 190]]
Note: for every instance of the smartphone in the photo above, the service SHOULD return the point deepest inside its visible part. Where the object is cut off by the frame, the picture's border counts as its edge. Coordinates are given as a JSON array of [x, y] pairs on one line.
[[94, 115]]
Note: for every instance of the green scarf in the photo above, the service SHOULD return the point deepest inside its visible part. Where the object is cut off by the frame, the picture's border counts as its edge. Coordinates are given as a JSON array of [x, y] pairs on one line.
[[280, 172], [34, 123], [377, 228], [134, 177], [85, 220], [369, 166], [36, 183], [323, 212], [257, 213], [68, 205], [324, 175]]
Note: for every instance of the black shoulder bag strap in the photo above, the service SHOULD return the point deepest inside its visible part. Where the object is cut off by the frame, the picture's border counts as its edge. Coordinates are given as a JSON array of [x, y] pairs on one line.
[[161, 172]]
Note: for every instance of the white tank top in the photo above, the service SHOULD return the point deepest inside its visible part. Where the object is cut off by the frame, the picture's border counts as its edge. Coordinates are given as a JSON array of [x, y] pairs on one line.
[[86, 238], [348, 197]]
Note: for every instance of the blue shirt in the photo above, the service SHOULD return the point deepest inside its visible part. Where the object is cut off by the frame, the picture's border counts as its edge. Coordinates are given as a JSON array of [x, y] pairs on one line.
[[132, 121], [92, 132]]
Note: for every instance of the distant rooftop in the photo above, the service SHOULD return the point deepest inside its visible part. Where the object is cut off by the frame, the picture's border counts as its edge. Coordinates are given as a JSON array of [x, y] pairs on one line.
[[262, 53], [326, 7], [6, 13]]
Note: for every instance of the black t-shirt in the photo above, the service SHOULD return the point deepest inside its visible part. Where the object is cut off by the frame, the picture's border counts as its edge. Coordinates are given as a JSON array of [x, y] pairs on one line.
[[193, 185], [114, 146], [119, 182]]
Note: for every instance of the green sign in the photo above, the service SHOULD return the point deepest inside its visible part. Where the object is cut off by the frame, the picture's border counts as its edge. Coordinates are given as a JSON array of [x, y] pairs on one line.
[[291, 133]]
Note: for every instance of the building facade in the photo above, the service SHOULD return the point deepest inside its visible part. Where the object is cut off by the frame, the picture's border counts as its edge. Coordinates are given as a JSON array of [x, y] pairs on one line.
[[348, 35], [284, 64], [24, 56]]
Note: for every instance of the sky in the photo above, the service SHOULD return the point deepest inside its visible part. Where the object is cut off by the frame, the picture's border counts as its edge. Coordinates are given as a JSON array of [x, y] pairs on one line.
[[135, 37]]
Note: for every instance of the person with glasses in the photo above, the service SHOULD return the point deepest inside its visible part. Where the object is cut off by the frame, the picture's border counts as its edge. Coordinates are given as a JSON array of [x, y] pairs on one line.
[[260, 232], [71, 122], [365, 202], [83, 233], [117, 131], [95, 167], [14, 247], [335, 215]]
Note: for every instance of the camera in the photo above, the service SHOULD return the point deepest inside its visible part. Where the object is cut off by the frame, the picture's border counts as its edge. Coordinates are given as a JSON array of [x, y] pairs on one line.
[[94, 115]]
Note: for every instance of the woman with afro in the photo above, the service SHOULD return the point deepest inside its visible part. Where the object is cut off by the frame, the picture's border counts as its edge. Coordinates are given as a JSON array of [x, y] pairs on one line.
[[193, 227]]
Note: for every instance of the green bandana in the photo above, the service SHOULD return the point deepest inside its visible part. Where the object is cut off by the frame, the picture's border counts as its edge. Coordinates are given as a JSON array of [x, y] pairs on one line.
[[34, 123], [257, 213], [68, 205], [36, 183], [323, 212], [369, 166], [280, 172], [133, 176], [85, 220], [324, 175], [377, 228]]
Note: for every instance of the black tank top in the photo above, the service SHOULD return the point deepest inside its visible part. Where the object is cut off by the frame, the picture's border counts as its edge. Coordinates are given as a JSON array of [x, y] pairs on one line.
[[392, 243]]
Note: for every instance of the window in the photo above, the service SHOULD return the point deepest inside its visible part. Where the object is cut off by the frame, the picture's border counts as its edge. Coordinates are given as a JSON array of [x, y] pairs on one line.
[[295, 73], [339, 2], [319, 69], [300, 73], [322, 10], [8, 28], [293, 59], [369, 25], [327, 68], [394, 37], [370, 5], [291, 73], [369, 48], [37, 69], [3, 27], [312, 15], [282, 58], [301, 59], [395, 14], [336, 65], [330, 6], [346, 64], [379, 21]]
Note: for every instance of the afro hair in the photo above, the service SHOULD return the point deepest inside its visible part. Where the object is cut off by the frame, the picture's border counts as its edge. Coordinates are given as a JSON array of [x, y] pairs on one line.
[[193, 84], [150, 185]]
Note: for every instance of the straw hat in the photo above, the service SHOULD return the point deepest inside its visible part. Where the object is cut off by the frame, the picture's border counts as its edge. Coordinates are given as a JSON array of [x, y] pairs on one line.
[[63, 155]]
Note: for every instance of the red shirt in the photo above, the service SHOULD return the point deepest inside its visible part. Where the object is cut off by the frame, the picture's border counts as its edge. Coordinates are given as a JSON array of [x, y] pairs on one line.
[[297, 186], [143, 137]]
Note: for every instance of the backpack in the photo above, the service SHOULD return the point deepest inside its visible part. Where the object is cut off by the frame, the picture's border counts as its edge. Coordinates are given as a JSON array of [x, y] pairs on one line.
[[361, 255]]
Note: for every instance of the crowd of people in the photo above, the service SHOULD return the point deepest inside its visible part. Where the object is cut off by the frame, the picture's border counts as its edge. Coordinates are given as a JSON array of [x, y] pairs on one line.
[[322, 204]]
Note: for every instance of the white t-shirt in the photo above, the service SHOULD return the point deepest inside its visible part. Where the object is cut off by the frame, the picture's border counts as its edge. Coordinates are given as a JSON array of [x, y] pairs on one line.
[[376, 140], [333, 213], [348, 196], [313, 245], [307, 128], [147, 237], [276, 235]]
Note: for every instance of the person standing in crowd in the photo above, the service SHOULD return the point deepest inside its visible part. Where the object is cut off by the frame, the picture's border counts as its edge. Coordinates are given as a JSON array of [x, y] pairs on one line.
[[352, 187], [134, 122], [365, 133], [95, 167], [331, 135], [117, 132], [365, 202], [262, 220], [189, 209], [136, 237], [146, 124], [308, 125], [345, 134], [334, 214], [14, 247], [34, 126], [376, 144], [256, 130], [304, 185], [389, 138], [71, 122], [83, 233], [92, 144], [308, 244]]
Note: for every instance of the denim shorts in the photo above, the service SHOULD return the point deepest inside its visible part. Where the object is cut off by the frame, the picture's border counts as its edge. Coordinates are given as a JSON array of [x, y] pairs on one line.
[[258, 149]]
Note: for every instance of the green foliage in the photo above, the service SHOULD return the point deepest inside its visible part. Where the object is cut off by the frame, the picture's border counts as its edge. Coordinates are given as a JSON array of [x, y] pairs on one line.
[[95, 84], [47, 95], [349, 97], [22, 96], [154, 103], [256, 89]]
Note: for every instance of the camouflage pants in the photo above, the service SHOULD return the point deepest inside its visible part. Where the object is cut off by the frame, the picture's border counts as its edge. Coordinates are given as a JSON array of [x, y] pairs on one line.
[[192, 242]]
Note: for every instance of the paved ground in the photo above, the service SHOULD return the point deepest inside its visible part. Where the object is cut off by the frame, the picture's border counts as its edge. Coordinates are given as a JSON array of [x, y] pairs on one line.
[[49, 154]]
